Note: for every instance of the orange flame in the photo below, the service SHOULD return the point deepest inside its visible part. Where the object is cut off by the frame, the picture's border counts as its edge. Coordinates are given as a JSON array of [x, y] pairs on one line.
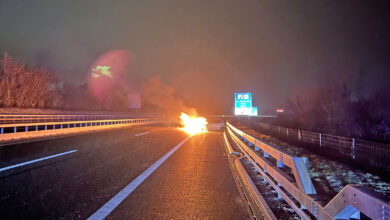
[[193, 125]]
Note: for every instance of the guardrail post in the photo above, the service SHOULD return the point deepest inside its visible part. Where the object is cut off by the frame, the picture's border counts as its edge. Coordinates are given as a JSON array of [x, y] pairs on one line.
[[26, 128], [54, 127], [36, 127], [45, 127], [61, 126], [279, 194], [14, 129], [2, 130], [349, 212], [353, 148]]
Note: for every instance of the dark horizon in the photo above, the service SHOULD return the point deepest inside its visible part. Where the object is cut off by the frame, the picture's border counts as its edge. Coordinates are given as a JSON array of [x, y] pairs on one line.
[[206, 50]]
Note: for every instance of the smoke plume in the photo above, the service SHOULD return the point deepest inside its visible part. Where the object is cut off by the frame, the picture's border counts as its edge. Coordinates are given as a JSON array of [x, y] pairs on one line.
[[161, 98]]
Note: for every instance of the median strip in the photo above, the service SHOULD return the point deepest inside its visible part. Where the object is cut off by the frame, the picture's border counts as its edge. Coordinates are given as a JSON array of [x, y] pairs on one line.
[[107, 208], [36, 160]]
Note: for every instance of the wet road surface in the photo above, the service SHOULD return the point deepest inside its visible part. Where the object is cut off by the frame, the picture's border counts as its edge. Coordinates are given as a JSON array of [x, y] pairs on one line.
[[194, 182]]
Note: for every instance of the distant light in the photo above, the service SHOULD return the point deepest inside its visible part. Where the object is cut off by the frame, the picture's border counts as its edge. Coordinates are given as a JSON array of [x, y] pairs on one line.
[[279, 110]]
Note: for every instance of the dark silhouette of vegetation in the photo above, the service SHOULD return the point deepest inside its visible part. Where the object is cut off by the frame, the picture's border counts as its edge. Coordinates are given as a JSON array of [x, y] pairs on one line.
[[340, 110]]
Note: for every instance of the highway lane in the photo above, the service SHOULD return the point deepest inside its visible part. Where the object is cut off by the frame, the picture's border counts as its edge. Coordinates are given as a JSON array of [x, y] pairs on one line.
[[194, 183], [77, 184]]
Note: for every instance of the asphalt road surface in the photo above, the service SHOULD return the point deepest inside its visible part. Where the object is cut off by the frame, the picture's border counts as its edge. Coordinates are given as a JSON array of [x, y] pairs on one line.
[[75, 177]]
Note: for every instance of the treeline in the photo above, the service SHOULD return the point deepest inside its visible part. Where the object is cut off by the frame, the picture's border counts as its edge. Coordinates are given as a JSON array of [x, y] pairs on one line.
[[21, 86], [28, 87], [340, 110]]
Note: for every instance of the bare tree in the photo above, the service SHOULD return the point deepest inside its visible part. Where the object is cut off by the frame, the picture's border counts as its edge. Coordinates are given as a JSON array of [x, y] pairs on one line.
[[26, 87]]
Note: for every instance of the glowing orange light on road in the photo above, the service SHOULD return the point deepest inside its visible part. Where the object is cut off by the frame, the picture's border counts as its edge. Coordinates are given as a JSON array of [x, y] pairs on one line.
[[193, 125]]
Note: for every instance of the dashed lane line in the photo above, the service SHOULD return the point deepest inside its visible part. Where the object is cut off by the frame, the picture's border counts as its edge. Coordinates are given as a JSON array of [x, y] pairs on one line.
[[35, 161], [142, 133]]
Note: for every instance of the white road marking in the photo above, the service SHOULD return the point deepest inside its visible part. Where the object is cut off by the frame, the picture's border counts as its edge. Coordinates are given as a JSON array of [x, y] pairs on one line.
[[107, 208], [36, 160], [142, 133]]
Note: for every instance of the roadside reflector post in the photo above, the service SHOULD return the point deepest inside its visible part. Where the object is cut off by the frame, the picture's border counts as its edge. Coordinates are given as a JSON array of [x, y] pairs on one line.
[[36, 127], [26, 128], [2, 130], [14, 129]]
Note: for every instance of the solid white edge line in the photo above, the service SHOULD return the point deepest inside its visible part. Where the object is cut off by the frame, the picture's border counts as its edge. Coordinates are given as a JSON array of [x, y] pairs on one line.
[[36, 160], [107, 208], [142, 133]]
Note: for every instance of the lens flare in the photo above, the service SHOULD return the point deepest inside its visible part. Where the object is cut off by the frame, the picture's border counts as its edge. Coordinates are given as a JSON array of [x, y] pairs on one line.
[[193, 125]]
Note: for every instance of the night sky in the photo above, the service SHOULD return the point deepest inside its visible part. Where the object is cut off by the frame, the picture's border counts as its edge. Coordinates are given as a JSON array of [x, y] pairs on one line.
[[207, 50]]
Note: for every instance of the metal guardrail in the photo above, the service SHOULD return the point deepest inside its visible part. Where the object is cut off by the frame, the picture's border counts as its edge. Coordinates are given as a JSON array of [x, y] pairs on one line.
[[377, 154], [254, 192], [348, 203], [14, 118], [299, 165], [10, 132]]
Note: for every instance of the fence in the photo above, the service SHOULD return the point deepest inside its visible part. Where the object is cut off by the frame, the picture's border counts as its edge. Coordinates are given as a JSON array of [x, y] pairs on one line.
[[375, 154], [348, 203]]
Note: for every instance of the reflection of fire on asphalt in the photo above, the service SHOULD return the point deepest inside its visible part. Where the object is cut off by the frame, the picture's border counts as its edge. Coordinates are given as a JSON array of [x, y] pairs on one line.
[[192, 124]]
